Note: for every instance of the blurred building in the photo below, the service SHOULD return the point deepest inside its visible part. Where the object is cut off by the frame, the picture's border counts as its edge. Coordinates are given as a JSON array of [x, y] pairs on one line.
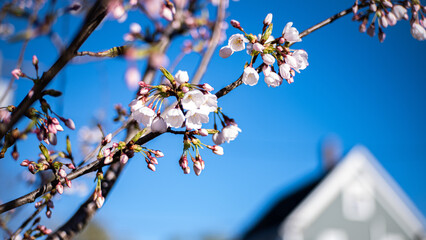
[[355, 200]]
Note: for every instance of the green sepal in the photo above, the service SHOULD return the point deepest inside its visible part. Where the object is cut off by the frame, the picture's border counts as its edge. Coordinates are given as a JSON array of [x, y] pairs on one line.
[[267, 33]]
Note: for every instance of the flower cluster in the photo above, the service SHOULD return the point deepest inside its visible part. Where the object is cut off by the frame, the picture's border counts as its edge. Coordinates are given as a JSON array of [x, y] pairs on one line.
[[388, 14], [194, 103], [271, 50], [48, 160]]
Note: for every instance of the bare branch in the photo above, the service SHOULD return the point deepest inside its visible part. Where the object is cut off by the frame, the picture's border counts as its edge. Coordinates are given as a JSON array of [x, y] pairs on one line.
[[212, 44]]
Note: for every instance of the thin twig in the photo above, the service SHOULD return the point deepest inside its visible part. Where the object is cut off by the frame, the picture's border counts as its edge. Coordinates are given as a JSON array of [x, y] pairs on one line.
[[212, 44]]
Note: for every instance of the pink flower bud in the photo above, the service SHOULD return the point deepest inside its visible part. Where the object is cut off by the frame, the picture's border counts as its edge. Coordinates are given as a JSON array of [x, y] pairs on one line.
[[107, 151], [203, 132], [355, 8], [363, 27], [268, 19], [373, 6], [185, 89], [100, 201], [197, 168], [167, 14], [68, 182], [59, 188], [69, 123], [52, 138], [217, 150], [124, 158], [391, 19], [258, 47], [207, 87], [235, 24], [17, 73], [187, 170], [62, 173], [183, 162], [151, 167], [371, 30], [38, 204], [25, 163], [31, 168], [48, 213], [47, 231], [107, 139], [35, 60], [383, 21], [153, 160], [108, 160], [70, 166], [387, 3], [158, 153]]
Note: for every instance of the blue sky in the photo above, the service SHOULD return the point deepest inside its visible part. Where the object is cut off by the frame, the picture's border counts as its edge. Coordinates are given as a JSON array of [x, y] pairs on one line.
[[355, 88]]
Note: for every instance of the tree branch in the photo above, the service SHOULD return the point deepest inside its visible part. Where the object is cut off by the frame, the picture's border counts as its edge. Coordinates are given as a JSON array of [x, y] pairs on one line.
[[213, 43], [93, 18]]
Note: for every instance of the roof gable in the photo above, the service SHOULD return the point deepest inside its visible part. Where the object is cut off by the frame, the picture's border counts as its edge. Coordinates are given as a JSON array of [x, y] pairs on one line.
[[362, 187]]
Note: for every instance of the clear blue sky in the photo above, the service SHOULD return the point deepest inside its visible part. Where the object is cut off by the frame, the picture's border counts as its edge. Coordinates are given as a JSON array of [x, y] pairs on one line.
[[356, 88]]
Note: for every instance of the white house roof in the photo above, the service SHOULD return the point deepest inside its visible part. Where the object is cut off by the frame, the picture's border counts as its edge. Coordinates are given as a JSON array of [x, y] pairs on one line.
[[358, 176]]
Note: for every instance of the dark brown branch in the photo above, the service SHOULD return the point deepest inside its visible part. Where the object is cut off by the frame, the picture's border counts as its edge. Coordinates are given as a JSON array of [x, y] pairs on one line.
[[25, 223], [93, 18], [328, 21]]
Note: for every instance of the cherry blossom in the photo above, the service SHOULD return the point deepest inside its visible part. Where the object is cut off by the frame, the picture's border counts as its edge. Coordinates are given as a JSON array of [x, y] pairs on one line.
[[273, 80], [193, 100], [418, 32], [174, 118], [196, 117], [158, 125], [181, 77], [144, 115], [290, 33], [250, 76], [237, 42]]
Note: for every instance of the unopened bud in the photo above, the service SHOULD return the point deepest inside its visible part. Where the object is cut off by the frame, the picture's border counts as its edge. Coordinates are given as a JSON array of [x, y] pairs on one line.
[[187, 170], [124, 158], [235, 24], [100, 201], [62, 173], [48, 213], [38, 204], [70, 166], [203, 132], [151, 167], [107, 139], [158, 153], [355, 8], [108, 160], [217, 150], [207, 87], [68, 182], [59, 188], [35, 61], [197, 168], [268, 19], [69, 123]]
